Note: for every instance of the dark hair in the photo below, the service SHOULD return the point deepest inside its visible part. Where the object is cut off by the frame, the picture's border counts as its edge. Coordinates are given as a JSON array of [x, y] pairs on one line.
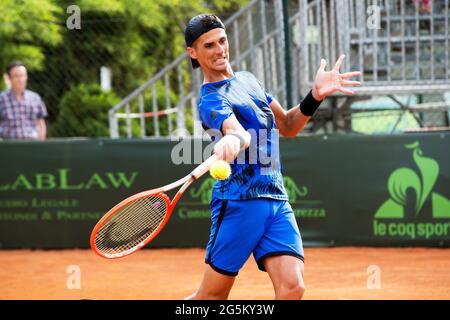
[[13, 65], [199, 25]]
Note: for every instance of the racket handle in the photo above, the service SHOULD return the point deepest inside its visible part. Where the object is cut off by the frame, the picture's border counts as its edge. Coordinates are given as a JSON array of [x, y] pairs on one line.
[[204, 167]]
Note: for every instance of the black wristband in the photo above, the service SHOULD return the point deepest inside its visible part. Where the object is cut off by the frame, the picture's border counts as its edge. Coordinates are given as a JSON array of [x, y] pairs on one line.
[[309, 105]]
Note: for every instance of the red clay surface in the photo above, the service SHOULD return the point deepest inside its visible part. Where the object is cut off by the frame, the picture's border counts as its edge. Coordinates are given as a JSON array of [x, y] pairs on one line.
[[330, 273]]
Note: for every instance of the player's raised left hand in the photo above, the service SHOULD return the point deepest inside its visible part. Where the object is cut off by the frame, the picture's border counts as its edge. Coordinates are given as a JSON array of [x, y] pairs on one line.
[[329, 82]]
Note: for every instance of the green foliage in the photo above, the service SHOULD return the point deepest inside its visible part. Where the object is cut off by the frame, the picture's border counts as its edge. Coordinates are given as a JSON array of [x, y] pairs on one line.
[[25, 30], [135, 39], [84, 112]]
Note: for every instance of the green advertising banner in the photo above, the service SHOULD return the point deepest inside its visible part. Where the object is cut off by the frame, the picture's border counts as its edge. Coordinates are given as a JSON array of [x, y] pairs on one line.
[[345, 190]]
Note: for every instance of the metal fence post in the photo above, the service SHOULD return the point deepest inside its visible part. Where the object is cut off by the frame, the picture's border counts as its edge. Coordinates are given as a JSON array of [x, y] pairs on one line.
[[287, 54], [113, 126]]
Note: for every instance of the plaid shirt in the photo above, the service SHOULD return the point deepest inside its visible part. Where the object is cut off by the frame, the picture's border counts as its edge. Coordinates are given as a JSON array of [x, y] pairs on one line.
[[18, 118]]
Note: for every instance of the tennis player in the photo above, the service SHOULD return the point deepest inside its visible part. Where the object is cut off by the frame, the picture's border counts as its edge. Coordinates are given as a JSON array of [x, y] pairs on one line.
[[250, 210]]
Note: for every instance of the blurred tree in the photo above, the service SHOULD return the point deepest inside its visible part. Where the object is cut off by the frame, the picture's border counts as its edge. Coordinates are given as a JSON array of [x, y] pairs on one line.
[[133, 38], [83, 112], [25, 29]]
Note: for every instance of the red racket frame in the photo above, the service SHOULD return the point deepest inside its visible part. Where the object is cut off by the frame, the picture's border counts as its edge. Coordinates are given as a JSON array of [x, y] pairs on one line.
[[159, 192]]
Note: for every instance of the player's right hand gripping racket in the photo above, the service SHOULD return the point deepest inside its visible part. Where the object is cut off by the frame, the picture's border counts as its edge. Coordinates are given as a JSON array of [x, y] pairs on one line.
[[137, 220]]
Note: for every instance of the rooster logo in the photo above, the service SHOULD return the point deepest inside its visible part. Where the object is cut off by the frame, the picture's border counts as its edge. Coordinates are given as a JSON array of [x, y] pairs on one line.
[[420, 182]]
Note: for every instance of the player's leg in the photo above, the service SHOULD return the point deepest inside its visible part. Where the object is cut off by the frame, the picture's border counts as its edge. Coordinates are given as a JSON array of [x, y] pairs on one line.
[[280, 253], [214, 286], [236, 229], [286, 273]]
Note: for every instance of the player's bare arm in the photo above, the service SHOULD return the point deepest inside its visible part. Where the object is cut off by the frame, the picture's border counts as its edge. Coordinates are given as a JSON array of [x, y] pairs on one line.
[[291, 122], [235, 139]]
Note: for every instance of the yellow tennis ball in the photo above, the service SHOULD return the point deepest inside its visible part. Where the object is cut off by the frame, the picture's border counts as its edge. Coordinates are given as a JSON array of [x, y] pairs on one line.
[[220, 170]]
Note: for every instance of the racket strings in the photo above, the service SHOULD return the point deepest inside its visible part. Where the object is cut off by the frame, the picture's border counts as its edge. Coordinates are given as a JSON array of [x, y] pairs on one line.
[[113, 236], [126, 225], [131, 225], [122, 220], [124, 231]]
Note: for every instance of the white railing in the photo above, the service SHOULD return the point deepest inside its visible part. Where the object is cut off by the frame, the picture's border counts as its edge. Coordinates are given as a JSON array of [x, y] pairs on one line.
[[399, 46], [166, 104], [405, 51]]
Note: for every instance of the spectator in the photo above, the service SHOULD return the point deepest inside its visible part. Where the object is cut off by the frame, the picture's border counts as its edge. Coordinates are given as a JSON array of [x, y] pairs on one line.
[[22, 111]]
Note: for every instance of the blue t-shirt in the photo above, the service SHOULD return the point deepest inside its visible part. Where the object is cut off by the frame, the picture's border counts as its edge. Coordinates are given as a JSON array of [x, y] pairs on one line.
[[257, 172]]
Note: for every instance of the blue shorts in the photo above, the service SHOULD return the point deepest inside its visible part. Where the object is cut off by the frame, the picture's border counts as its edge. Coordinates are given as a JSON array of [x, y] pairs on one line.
[[264, 226]]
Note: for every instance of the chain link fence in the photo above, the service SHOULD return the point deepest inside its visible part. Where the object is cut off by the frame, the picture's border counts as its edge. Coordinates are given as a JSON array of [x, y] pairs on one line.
[[131, 54], [402, 48], [99, 52], [383, 115]]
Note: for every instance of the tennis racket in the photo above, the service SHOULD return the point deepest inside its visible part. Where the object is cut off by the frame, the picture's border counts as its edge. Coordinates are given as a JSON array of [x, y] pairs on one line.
[[137, 220]]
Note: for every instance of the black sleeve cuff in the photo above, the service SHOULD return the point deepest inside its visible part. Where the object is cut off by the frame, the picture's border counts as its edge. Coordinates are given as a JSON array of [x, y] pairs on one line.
[[309, 105]]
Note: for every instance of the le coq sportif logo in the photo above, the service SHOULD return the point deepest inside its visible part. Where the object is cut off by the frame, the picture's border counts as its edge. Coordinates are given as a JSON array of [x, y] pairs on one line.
[[405, 213], [421, 181]]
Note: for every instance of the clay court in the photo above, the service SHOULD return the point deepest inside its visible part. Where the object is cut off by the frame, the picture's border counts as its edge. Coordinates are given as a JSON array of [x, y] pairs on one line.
[[331, 273]]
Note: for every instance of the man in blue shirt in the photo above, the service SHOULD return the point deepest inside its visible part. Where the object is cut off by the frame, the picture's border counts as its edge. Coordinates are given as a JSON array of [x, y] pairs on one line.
[[250, 211]]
